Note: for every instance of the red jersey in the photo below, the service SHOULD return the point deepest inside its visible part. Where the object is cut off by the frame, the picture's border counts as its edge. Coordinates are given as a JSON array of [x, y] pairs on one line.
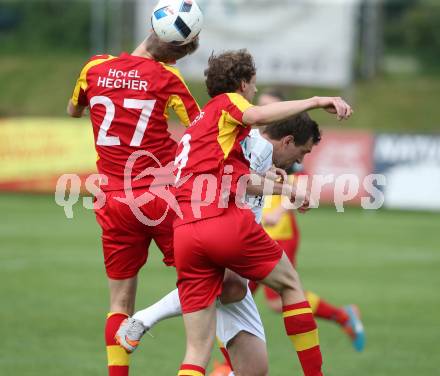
[[211, 146], [129, 98]]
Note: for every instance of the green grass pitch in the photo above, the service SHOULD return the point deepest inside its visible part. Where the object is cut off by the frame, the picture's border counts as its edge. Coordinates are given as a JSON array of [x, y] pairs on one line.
[[54, 294]]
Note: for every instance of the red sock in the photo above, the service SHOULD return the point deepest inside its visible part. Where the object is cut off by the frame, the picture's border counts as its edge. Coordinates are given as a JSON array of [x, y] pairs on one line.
[[226, 356], [302, 330], [191, 370], [329, 312], [117, 358], [325, 310]]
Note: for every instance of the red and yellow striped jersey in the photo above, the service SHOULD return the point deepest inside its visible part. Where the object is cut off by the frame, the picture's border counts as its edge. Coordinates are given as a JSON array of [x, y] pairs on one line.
[[211, 146], [129, 98]]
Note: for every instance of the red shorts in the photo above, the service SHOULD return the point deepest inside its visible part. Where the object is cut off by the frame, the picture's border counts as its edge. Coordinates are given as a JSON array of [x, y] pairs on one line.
[[203, 249], [125, 239]]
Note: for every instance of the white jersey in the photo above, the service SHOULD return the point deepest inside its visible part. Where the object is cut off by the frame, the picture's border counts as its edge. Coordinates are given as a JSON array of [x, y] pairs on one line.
[[259, 152]]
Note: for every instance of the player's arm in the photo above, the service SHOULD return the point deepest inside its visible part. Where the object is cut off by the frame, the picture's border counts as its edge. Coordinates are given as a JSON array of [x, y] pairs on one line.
[[78, 102], [263, 186], [270, 113], [259, 185], [75, 111]]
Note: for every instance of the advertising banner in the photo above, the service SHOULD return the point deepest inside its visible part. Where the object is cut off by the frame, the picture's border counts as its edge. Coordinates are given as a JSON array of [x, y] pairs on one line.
[[340, 163], [411, 164], [34, 152]]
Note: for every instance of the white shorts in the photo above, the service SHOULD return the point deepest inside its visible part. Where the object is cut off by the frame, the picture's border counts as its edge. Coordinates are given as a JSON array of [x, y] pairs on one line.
[[236, 317]]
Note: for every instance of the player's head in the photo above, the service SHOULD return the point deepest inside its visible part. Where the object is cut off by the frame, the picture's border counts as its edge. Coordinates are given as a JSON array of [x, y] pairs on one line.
[[230, 72], [292, 139], [168, 52], [271, 95]]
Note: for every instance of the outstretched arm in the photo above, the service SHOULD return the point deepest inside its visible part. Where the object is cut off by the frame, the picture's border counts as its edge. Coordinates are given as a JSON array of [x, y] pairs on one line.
[[270, 113]]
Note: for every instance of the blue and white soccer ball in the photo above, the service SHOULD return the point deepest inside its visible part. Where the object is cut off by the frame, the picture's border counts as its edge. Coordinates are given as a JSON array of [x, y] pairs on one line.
[[177, 21]]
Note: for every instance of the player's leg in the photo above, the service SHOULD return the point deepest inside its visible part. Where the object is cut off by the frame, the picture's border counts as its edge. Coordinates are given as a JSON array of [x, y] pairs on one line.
[[200, 329], [273, 298], [248, 355], [125, 249], [122, 300], [200, 337], [241, 332], [298, 318], [325, 310], [262, 259], [169, 306], [122, 294], [234, 288], [290, 247], [131, 331], [199, 283], [348, 317]]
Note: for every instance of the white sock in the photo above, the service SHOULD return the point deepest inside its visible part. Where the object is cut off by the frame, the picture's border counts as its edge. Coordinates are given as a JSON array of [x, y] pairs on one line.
[[167, 307]]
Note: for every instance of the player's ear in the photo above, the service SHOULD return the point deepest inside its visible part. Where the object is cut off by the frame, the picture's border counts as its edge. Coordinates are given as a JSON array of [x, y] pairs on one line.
[[243, 85], [288, 140]]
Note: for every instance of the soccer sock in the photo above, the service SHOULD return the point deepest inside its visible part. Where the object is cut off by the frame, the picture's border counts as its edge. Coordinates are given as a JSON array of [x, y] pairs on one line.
[[117, 358], [168, 306], [302, 330], [191, 370], [225, 353], [323, 309]]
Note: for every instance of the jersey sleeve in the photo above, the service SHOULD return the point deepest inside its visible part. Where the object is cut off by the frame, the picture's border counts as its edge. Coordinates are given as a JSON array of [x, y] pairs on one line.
[[79, 96], [180, 99], [235, 108]]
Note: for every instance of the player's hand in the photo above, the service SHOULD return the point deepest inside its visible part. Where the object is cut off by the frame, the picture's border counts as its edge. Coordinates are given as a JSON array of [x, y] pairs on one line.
[[302, 198], [335, 105], [276, 174], [271, 219]]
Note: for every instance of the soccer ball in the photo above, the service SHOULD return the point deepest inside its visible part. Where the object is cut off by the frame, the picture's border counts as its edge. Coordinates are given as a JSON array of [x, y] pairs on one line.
[[177, 21]]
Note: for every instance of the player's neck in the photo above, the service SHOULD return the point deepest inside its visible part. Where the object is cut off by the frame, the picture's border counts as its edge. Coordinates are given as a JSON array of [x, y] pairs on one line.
[[141, 51]]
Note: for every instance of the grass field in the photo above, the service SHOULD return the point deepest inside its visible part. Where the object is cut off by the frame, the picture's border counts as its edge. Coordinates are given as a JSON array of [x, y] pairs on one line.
[[54, 294]]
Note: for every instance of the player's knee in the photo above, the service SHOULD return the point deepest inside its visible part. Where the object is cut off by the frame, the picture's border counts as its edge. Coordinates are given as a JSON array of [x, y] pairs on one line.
[[290, 280], [287, 280]]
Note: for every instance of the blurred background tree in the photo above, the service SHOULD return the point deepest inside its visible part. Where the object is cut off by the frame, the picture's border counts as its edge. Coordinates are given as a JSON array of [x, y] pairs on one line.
[[412, 27], [44, 26]]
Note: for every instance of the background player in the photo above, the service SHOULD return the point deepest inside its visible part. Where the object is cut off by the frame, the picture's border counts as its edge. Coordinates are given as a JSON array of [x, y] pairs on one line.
[[280, 223], [129, 97], [202, 251]]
